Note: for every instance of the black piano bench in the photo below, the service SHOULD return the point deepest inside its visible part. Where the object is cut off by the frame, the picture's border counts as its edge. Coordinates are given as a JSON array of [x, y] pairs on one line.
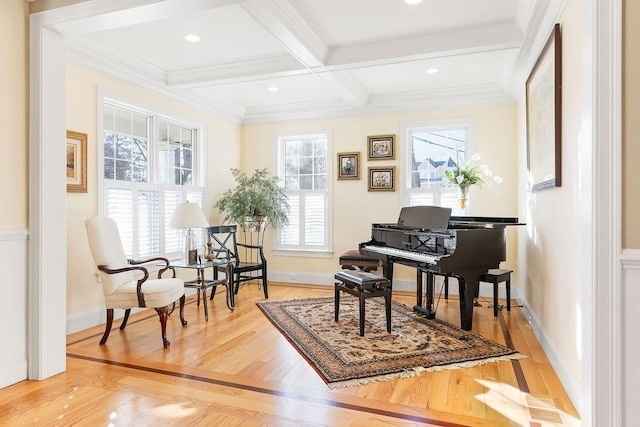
[[352, 259], [363, 285], [497, 276]]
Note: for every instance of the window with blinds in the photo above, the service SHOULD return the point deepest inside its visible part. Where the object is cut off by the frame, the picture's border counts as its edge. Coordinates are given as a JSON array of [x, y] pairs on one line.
[[431, 149], [304, 168], [148, 169]]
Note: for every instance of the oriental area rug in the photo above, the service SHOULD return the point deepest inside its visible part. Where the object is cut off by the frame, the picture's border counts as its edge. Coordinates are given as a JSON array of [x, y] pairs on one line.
[[343, 358]]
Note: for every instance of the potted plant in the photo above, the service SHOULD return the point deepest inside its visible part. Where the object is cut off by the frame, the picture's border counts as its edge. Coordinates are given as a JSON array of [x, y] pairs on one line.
[[257, 200]]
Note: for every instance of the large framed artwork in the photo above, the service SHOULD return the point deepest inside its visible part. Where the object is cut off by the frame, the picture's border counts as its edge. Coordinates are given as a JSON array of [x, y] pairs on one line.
[[348, 165], [543, 103], [76, 162]]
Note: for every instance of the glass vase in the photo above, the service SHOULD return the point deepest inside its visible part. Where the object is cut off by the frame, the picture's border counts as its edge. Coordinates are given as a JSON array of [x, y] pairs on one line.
[[463, 195]]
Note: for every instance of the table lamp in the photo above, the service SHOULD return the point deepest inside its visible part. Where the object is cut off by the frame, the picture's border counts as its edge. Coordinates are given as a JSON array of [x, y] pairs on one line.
[[188, 216]]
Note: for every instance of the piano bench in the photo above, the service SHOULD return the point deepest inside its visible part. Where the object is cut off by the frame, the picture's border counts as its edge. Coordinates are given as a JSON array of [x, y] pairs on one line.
[[352, 259], [497, 276], [363, 285]]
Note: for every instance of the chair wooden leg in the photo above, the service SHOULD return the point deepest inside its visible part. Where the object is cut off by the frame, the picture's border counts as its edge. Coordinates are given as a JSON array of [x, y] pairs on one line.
[[163, 314], [107, 329], [387, 307], [182, 299], [125, 319], [362, 305], [337, 301], [264, 285]]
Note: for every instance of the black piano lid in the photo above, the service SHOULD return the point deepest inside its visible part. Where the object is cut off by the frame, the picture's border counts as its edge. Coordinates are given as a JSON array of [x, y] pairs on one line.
[[486, 221]]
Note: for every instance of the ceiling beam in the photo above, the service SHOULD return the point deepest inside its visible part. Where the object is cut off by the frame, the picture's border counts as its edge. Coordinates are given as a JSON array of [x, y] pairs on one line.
[[286, 25]]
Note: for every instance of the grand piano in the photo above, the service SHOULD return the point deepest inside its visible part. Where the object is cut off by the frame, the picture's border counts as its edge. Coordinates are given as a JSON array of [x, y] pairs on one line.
[[429, 239]]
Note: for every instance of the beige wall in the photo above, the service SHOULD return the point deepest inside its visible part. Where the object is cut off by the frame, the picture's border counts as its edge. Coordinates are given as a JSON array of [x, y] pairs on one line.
[[630, 125], [14, 79], [223, 145], [355, 208], [553, 242]]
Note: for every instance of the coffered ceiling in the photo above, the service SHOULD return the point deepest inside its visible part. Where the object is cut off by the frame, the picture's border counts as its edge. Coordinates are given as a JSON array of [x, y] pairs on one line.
[[320, 58]]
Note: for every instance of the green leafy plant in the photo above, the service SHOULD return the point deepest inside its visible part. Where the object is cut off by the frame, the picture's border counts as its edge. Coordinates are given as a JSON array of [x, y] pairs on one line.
[[254, 198], [468, 174]]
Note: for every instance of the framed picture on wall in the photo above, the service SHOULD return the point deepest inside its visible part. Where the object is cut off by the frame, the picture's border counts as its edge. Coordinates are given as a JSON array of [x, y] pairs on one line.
[[382, 179], [544, 106], [381, 147], [76, 162], [348, 165]]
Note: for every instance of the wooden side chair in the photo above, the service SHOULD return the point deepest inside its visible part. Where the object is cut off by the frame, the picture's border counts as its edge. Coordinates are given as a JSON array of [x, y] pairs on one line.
[[121, 289], [249, 262]]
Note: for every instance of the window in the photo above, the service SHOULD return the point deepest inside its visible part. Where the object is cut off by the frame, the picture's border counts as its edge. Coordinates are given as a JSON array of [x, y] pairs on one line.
[[431, 149], [305, 169], [149, 165]]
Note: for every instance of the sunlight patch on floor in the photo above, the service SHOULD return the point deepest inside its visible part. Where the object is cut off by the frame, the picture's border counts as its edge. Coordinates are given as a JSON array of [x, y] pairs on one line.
[[523, 408]]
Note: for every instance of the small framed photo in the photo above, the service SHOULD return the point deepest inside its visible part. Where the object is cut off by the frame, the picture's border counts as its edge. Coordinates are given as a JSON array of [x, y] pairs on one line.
[[382, 179], [76, 162], [381, 147], [193, 257], [348, 165]]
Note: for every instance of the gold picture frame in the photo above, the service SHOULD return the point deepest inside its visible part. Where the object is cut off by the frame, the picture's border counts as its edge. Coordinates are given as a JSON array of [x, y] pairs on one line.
[[382, 179], [76, 162], [349, 165], [544, 119], [381, 147]]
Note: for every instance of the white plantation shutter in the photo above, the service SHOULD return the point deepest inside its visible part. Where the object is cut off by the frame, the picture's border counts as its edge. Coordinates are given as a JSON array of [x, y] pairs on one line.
[[290, 233], [119, 207], [421, 198], [148, 223], [315, 219], [173, 236]]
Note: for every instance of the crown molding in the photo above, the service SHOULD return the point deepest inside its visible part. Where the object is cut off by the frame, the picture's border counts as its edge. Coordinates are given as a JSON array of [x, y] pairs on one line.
[[238, 72], [544, 14], [470, 96], [153, 81], [497, 36]]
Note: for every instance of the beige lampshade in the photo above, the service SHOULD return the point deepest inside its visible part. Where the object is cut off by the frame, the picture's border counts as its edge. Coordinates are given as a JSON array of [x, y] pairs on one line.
[[188, 215]]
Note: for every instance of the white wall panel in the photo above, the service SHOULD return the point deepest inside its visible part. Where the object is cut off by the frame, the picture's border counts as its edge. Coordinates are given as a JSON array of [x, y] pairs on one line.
[[13, 287]]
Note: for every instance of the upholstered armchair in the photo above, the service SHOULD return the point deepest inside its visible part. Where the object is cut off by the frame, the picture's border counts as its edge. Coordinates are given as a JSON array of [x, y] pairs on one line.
[[122, 289]]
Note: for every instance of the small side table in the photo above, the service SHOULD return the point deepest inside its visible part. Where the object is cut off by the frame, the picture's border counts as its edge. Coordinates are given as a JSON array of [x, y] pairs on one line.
[[201, 284]]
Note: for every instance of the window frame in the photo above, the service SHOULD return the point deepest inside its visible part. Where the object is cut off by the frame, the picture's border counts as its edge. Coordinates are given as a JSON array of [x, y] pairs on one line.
[[469, 123], [118, 100], [279, 164]]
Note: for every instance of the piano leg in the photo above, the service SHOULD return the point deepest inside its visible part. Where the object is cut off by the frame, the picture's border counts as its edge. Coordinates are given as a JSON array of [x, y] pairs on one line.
[[468, 282], [428, 307]]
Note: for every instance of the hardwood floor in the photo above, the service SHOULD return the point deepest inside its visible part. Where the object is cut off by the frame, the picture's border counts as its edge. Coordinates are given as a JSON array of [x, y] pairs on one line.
[[238, 370]]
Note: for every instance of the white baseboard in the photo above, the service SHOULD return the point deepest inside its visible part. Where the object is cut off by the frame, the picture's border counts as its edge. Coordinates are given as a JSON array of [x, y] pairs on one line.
[[570, 383], [399, 284], [98, 316], [14, 373]]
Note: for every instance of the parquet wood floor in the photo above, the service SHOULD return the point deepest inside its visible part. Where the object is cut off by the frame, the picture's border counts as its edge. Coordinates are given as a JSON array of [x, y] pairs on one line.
[[238, 370]]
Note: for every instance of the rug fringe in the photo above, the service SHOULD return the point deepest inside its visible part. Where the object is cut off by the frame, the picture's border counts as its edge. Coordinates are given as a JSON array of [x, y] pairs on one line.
[[414, 372], [473, 363]]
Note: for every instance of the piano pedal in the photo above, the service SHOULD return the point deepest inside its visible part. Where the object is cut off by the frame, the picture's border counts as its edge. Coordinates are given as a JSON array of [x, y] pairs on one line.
[[476, 303]]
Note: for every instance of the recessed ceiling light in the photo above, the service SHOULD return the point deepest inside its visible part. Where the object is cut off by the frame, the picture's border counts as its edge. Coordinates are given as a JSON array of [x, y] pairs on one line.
[[273, 89], [432, 70], [412, 1], [192, 38]]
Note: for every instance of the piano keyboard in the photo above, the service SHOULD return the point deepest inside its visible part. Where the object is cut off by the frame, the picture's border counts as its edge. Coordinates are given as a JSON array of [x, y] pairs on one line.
[[400, 253]]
